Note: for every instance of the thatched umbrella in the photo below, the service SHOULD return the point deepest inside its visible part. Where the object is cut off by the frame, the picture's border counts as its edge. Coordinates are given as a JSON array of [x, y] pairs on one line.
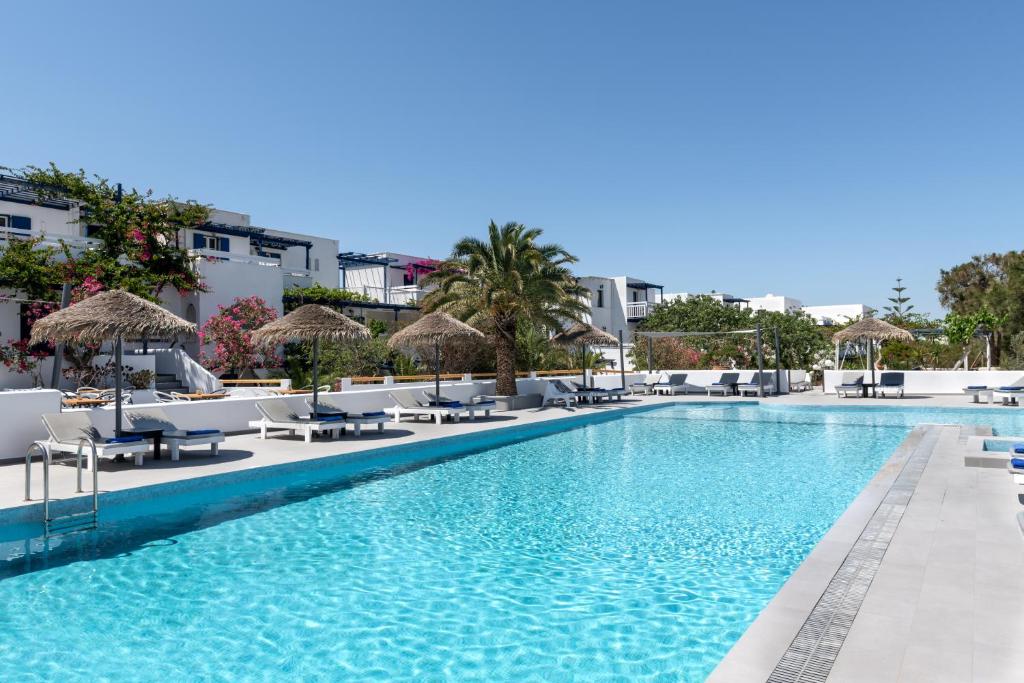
[[434, 328], [584, 335], [314, 323], [871, 330], [111, 315]]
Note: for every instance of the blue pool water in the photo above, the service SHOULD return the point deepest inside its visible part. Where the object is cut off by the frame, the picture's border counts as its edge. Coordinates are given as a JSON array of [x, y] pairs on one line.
[[639, 548]]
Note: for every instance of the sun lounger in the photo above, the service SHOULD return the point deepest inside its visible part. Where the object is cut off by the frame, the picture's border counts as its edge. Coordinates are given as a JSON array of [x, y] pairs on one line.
[[558, 394], [600, 392], [725, 384], [67, 431], [765, 381], [155, 418], [328, 409], [890, 383], [853, 383], [676, 383], [647, 386], [478, 404], [407, 404], [798, 380], [581, 395], [980, 391], [277, 414]]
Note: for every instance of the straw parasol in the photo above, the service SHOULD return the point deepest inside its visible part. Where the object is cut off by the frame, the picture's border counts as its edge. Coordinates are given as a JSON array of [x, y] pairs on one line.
[[111, 315], [584, 334], [314, 323], [871, 330], [434, 328]]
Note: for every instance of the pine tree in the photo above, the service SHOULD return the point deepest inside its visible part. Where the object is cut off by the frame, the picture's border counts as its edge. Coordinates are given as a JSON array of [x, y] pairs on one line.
[[900, 310]]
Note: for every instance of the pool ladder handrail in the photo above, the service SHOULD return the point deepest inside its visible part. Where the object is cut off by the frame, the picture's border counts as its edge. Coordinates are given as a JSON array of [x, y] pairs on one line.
[[65, 524]]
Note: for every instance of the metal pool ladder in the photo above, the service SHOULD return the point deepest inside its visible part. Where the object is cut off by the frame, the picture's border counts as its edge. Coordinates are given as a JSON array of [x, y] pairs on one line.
[[78, 521]]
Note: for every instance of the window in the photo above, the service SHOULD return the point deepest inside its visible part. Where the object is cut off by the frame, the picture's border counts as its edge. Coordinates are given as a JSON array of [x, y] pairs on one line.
[[15, 222], [212, 242], [600, 297], [316, 265]]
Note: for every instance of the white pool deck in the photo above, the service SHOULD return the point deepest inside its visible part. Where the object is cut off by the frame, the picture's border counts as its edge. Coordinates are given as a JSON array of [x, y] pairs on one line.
[[946, 603]]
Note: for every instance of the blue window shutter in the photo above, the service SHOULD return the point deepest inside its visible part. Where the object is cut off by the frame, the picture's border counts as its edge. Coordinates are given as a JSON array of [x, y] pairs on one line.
[[21, 222], [224, 244], [198, 241]]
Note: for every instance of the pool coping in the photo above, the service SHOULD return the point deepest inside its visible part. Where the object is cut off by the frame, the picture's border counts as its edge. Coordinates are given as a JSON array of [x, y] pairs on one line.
[[761, 652]]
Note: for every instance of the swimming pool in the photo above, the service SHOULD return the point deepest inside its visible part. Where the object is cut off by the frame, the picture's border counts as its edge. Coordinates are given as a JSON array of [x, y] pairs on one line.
[[634, 547]]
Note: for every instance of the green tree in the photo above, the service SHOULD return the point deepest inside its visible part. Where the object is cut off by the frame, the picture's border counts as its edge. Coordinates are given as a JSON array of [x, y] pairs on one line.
[[901, 306], [494, 284]]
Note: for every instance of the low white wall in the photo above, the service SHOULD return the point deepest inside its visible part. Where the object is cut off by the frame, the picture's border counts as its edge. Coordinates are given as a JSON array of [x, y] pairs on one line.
[[935, 381], [22, 423]]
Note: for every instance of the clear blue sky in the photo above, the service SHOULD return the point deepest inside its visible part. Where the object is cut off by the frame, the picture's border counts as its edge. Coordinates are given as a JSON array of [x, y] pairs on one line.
[[813, 149]]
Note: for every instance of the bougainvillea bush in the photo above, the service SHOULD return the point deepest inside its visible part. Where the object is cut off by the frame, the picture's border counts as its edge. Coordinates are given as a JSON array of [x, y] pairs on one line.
[[230, 332]]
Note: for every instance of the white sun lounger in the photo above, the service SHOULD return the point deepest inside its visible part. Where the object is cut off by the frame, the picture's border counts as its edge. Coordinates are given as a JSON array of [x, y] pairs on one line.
[[68, 430], [647, 386], [406, 404], [156, 418], [798, 380], [478, 404], [724, 385], [357, 420], [554, 394], [277, 414]]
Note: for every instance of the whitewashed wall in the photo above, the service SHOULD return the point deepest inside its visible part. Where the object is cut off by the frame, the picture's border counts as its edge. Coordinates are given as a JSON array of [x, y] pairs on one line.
[[12, 380], [935, 381], [21, 423]]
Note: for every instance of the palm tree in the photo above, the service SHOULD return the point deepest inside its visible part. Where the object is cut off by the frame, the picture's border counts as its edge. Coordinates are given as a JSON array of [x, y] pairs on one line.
[[494, 284]]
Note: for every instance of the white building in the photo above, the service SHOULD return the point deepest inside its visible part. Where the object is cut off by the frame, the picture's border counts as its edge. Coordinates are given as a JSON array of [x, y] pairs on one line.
[[233, 257], [837, 314], [387, 276], [619, 304], [775, 303]]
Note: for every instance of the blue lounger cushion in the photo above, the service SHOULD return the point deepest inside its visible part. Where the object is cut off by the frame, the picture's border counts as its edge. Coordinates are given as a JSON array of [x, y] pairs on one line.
[[1011, 388], [201, 432], [1018, 448], [374, 413], [449, 404], [1018, 463], [977, 386], [129, 438]]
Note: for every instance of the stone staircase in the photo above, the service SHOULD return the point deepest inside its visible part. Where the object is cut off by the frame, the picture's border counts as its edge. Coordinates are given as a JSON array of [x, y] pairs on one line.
[[170, 383]]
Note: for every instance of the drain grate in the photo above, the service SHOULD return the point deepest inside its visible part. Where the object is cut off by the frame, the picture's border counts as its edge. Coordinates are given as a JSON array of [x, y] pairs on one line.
[[812, 653]]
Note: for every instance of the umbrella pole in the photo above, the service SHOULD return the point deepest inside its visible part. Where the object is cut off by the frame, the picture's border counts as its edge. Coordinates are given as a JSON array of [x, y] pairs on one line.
[[871, 359], [437, 371], [117, 386], [316, 376], [622, 362]]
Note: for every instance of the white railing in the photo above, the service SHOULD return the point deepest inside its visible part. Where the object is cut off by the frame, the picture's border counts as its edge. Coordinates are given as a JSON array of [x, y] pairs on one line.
[[214, 255], [404, 295], [52, 240], [637, 309]]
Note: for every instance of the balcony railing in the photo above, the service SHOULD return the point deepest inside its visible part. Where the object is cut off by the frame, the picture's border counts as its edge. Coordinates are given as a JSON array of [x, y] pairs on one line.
[[405, 295], [76, 242], [263, 261], [638, 310]]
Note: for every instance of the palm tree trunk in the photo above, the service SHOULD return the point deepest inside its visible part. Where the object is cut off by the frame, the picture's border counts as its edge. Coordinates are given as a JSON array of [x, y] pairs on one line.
[[505, 358]]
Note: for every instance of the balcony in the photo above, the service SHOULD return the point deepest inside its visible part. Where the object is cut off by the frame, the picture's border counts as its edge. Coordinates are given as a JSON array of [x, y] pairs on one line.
[[213, 255], [75, 242], [405, 295], [638, 310]]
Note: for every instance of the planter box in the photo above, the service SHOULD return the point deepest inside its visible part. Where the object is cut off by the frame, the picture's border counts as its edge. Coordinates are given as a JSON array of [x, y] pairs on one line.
[[520, 402]]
